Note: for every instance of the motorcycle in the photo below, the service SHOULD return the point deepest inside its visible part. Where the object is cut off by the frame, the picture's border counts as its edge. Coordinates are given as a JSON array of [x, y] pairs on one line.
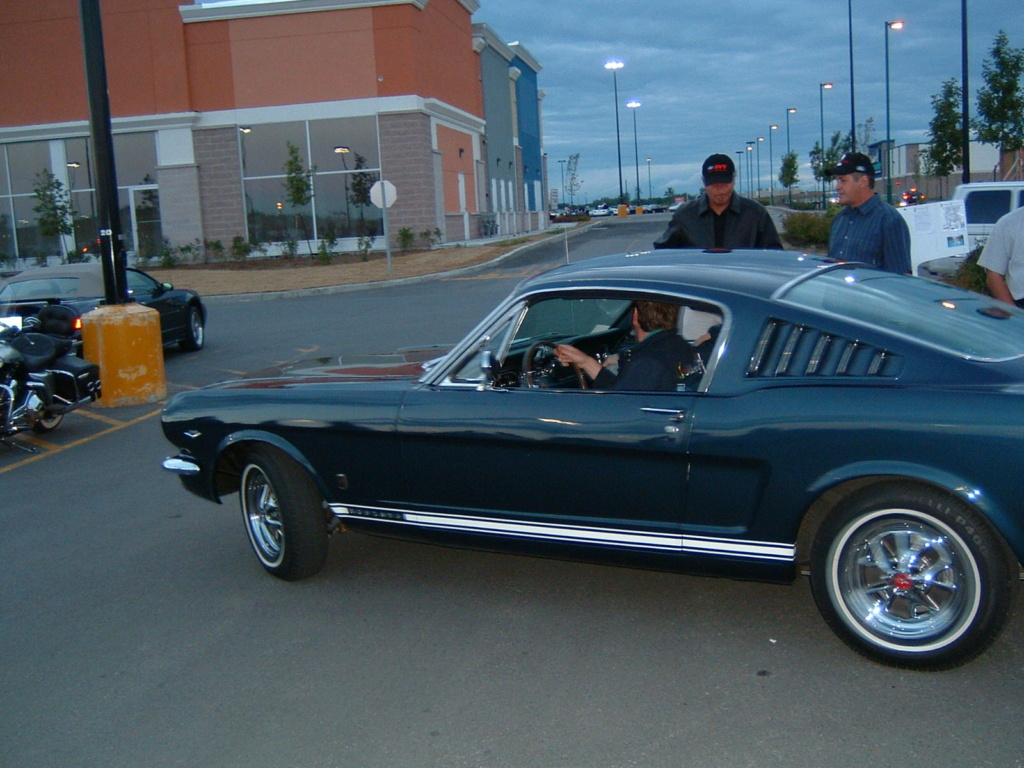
[[42, 376]]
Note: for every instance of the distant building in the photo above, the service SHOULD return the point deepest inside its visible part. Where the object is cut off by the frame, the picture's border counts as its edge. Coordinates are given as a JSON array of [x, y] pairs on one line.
[[206, 97], [909, 169]]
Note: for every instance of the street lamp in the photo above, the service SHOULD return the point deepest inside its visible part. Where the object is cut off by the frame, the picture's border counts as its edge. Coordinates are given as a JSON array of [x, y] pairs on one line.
[[822, 87], [650, 193], [750, 168], [888, 131], [965, 121], [853, 116], [771, 163], [633, 106], [615, 66], [759, 140], [789, 151], [739, 167]]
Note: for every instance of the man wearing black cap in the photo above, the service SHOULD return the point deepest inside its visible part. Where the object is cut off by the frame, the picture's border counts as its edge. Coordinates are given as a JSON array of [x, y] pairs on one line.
[[867, 229], [720, 218]]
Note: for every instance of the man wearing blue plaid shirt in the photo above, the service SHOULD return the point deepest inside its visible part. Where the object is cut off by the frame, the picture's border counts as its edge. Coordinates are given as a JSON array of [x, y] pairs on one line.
[[867, 229]]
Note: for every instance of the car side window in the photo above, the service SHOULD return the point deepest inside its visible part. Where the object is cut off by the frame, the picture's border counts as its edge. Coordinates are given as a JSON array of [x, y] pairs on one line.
[[139, 283]]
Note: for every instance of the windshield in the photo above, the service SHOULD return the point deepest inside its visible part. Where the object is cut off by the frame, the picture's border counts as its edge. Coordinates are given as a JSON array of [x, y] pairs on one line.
[[964, 323]]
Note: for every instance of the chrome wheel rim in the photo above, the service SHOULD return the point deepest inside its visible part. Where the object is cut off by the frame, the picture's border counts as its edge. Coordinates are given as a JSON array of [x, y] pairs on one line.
[[196, 327], [904, 580], [262, 516]]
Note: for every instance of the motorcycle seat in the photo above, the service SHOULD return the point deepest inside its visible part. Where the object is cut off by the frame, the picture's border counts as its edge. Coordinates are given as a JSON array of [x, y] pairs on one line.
[[38, 350]]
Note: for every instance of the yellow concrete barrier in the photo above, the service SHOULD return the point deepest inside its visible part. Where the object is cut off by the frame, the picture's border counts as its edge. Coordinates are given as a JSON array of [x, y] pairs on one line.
[[623, 210], [124, 341]]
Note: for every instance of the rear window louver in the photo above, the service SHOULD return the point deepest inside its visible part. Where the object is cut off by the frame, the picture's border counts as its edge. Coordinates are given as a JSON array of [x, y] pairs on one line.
[[786, 350]]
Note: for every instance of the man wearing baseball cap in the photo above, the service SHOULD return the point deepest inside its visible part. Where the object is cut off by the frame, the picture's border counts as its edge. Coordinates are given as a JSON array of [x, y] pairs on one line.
[[720, 218], [867, 229]]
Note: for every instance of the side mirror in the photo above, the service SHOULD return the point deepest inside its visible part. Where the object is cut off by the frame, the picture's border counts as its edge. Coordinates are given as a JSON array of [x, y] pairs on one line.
[[487, 366]]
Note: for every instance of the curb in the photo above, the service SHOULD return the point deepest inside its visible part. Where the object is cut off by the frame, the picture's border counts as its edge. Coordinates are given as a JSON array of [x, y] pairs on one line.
[[327, 290]]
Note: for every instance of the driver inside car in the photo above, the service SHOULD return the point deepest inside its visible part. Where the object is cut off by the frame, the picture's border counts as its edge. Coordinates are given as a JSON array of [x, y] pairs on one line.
[[658, 361]]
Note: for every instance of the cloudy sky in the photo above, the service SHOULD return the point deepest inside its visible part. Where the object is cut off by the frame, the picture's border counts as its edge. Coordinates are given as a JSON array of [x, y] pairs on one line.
[[714, 75]]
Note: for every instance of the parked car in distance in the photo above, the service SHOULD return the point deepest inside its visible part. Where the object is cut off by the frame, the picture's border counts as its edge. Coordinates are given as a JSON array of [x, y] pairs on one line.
[[985, 203], [600, 211], [839, 419], [80, 286], [655, 208]]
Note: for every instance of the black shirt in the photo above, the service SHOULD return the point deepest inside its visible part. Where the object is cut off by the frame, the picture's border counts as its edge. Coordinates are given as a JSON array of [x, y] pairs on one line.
[[744, 224], [656, 364]]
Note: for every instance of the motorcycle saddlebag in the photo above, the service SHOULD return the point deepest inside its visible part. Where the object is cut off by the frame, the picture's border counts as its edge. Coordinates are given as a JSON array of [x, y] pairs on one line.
[[76, 379]]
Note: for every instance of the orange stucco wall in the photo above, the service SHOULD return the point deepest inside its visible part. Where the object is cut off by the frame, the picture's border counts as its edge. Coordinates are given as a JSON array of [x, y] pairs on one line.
[[449, 142], [42, 61], [157, 64]]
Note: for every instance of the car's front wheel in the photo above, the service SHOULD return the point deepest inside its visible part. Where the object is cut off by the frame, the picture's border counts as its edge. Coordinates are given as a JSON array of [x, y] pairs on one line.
[[195, 331], [284, 514], [912, 578]]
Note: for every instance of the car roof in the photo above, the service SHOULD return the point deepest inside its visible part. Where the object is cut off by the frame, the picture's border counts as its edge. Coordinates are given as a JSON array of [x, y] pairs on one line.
[[753, 272], [89, 275]]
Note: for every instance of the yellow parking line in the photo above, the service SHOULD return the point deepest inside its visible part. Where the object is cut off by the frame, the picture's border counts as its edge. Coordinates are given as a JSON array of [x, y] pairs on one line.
[[52, 449], [100, 417]]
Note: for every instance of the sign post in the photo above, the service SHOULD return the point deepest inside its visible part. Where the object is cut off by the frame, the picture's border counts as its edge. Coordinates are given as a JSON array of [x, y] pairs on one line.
[[383, 195]]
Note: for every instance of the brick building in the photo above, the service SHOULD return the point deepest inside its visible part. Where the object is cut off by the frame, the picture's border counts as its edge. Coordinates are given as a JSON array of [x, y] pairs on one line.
[[209, 98]]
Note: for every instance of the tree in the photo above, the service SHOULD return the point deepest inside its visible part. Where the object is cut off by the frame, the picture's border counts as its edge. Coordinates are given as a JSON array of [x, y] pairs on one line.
[[298, 188], [1000, 118], [53, 207], [788, 175], [945, 153], [360, 194]]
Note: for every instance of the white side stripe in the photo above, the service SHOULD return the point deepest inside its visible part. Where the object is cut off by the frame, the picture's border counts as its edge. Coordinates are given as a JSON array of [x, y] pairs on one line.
[[666, 542]]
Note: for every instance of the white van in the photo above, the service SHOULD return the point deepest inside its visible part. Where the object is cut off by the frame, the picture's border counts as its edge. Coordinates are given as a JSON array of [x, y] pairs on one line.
[[986, 202]]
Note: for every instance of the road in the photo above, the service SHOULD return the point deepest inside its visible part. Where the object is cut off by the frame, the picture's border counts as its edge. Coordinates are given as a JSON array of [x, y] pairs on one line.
[[137, 629]]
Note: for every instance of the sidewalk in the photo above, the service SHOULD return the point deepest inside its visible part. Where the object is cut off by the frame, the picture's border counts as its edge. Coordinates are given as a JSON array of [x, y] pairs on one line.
[[304, 273]]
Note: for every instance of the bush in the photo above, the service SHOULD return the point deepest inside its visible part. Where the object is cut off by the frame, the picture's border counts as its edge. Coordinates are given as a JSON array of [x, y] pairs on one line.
[[808, 228], [406, 238], [970, 275]]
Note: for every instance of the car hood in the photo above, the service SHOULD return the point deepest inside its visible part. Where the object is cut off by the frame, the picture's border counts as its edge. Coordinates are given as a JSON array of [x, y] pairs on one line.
[[407, 363]]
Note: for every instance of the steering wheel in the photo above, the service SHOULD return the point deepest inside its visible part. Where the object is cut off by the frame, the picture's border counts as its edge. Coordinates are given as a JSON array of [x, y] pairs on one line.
[[537, 363]]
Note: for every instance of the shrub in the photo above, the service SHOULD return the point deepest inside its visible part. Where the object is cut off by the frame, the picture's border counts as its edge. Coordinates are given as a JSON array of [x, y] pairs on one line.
[[808, 228], [240, 248], [365, 245], [406, 238], [970, 275]]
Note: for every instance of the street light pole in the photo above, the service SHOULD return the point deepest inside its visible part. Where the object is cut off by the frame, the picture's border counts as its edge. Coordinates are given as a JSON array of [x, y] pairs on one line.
[[739, 167], [789, 151], [822, 87], [615, 66], [888, 130], [750, 169], [853, 116], [771, 163], [965, 117], [650, 193], [633, 106], [757, 193]]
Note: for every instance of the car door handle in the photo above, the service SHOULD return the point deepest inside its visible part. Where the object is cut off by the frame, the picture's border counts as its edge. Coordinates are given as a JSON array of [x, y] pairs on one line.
[[674, 414]]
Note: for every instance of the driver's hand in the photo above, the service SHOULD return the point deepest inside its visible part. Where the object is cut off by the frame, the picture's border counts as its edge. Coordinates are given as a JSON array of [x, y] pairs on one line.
[[566, 354]]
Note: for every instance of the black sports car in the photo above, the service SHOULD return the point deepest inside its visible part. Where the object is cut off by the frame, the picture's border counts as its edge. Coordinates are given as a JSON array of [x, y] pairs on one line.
[[80, 286], [863, 426]]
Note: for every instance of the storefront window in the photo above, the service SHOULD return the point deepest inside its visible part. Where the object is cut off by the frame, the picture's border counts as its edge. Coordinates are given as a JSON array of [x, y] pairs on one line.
[[344, 156]]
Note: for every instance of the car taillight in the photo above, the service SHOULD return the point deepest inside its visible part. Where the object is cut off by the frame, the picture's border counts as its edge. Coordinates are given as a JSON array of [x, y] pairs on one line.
[[78, 323]]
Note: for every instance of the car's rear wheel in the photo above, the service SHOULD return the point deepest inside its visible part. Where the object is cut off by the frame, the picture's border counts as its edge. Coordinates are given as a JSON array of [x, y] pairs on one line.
[[284, 514], [912, 578], [195, 331]]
